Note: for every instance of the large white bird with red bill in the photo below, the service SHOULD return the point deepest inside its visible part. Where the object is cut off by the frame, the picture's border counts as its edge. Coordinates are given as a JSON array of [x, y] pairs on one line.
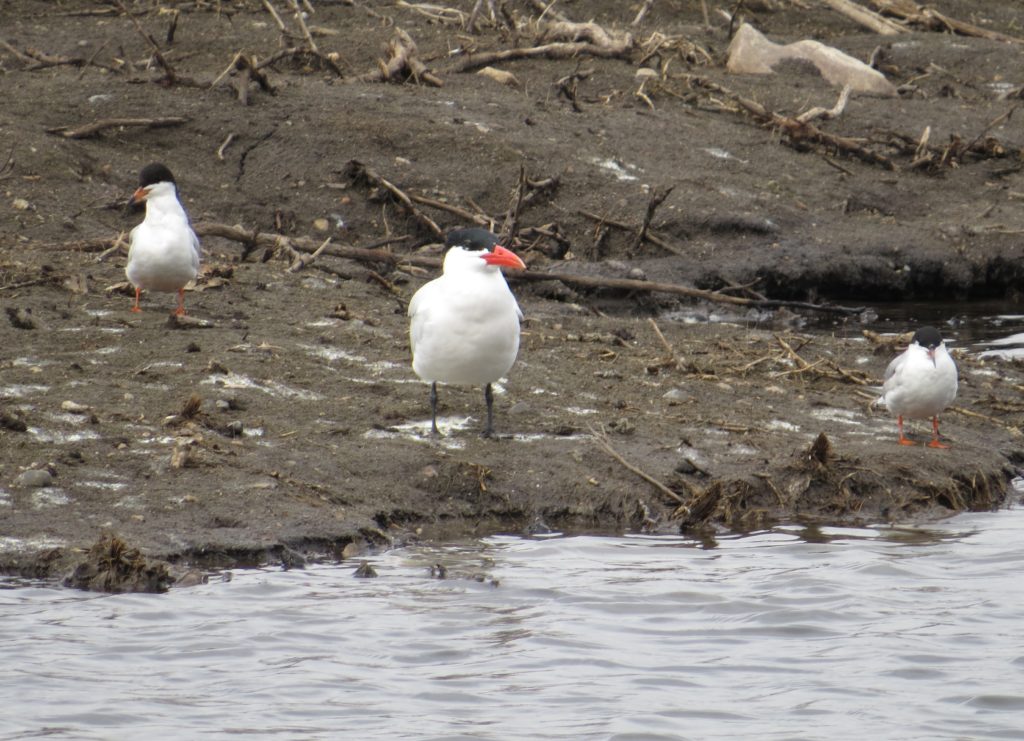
[[464, 325]]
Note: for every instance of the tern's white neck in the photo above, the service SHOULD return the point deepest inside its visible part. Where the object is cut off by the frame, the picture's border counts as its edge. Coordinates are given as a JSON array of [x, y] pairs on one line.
[[162, 203]]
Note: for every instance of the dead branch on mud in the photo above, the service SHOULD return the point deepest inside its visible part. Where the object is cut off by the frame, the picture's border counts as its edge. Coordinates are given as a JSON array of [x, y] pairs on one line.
[[302, 261], [255, 239], [360, 174], [796, 132], [824, 367], [476, 217], [602, 442], [248, 71], [303, 27], [7, 168], [1012, 429], [439, 13], [643, 286], [926, 156], [561, 39], [658, 196], [92, 129], [671, 360], [911, 13], [865, 17], [932, 20], [299, 53], [293, 245], [510, 225], [224, 145], [827, 113], [33, 59], [648, 235], [307, 50], [402, 64], [170, 77]]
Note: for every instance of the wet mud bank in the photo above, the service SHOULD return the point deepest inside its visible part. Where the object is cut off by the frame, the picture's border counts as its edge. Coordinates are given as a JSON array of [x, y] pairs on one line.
[[281, 421]]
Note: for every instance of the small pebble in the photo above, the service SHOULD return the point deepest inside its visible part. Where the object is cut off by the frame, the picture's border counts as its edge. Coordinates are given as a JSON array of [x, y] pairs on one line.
[[365, 571], [34, 478]]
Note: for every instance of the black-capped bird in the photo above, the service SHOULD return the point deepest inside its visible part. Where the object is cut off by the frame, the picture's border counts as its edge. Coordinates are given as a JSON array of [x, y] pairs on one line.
[[464, 325], [920, 383], [163, 253]]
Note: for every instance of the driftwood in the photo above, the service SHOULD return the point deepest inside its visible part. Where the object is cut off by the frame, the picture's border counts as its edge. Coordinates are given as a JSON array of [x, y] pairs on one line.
[[255, 239], [248, 71], [647, 235], [795, 130], [643, 286], [298, 53], [867, 18], [35, 59], [658, 196], [403, 63], [170, 76], [91, 129], [293, 246], [602, 442], [931, 19], [307, 50], [558, 50], [361, 174], [911, 13], [561, 39], [931, 157]]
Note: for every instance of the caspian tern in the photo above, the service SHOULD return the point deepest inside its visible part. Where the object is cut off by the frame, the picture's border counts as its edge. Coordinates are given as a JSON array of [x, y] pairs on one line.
[[920, 382], [164, 251], [464, 325]]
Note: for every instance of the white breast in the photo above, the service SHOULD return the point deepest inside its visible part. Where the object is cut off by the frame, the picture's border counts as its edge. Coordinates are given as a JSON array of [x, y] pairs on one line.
[[464, 325], [164, 251]]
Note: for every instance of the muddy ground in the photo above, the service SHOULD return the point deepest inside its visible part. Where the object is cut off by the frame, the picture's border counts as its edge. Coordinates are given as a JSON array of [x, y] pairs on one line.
[[283, 421]]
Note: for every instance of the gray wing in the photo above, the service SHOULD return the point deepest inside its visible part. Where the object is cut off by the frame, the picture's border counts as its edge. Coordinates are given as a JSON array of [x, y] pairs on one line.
[[196, 253]]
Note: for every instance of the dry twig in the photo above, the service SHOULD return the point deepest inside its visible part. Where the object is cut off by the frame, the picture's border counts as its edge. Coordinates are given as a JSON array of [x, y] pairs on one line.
[[796, 131], [402, 63], [170, 77], [601, 440], [360, 173], [88, 130], [658, 197]]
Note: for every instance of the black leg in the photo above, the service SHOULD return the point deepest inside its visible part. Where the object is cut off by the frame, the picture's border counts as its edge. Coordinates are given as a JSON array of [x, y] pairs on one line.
[[489, 398], [433, 410]]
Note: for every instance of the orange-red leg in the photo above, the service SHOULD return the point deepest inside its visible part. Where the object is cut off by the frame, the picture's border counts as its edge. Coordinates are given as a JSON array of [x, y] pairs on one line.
[[180, 311], [935, 435], [138, 294], [903, 440]]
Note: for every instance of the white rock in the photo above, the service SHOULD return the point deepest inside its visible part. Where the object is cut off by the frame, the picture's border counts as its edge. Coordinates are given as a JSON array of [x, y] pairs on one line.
[[753, 54]]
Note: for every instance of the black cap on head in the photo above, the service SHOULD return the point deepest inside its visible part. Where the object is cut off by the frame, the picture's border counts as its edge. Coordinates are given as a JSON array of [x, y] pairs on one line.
[[154, 173], [472, 238], [928, 337]]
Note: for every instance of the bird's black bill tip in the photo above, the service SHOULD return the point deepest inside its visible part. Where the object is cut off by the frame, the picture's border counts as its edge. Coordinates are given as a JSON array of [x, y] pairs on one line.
[[132, 207]]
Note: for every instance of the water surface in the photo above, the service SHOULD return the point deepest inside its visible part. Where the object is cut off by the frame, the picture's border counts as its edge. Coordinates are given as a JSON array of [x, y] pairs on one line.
[[788, 634]]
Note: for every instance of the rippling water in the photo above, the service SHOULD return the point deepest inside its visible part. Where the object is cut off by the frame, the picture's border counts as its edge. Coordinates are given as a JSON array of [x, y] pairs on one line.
[[787, 634]]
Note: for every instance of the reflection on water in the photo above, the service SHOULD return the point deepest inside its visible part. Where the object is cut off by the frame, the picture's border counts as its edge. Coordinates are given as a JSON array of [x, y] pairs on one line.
[[795, 633]]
